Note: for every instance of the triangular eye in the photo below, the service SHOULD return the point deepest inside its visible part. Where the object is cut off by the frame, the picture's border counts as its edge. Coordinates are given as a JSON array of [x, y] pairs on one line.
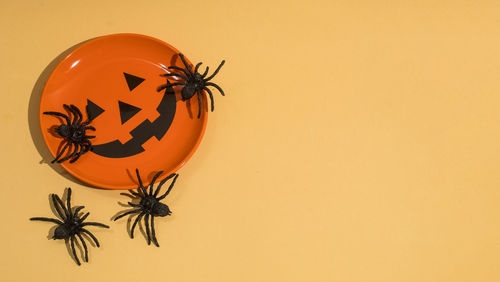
[[93, 110], [127, 111], [132, 81]]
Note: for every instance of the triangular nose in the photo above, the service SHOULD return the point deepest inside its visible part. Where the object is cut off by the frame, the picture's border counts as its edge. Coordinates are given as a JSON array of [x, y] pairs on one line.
[[127, 111], [132, 81]]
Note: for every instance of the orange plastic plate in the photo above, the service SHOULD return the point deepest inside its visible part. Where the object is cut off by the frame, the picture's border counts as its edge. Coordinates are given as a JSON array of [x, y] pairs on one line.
[[118, 76]]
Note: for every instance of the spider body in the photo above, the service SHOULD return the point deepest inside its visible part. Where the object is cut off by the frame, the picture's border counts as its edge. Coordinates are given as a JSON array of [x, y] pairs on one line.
[[193, 82], [154, 207], [74, 134], [67, 229], [150, 205], [72, 224]]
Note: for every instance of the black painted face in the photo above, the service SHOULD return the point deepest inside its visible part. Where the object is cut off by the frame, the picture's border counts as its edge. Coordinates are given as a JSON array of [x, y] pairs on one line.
[[144, 131]]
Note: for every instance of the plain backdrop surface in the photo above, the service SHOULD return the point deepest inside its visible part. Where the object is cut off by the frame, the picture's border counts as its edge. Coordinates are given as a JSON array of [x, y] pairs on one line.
[[358, 141]]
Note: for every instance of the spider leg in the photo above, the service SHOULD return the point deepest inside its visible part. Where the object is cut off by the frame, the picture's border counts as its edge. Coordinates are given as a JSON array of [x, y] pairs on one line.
[[80, 152], [146, 219], [88, 121], [164, 86], [174, 74], [72, 111], [153, 233], [75, 115], [127, 213], [68, 121], [135, 193], [134, 205], [87, 146], [170, 187], [61, 153], [199, 103], [216, 71], [135, 223], [91, 236], [205, 73], [77, 156], [162, 182], [216, 86], [140, 182], [70, 152], [211, 97], [153, 182], [188, 68], [75, 150], [73, 249], [89, 128], [78, 113], [68, 202], [197, 67], [177, 83], [47, 219], [84, 217], [78, 209], [84, 246], [95, 224], [59, 206], [180, 69]]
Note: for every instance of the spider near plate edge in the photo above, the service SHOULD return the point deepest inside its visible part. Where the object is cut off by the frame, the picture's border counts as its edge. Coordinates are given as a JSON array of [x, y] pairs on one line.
[[150, 205], [72, 224], [194, 82], [74, 134]]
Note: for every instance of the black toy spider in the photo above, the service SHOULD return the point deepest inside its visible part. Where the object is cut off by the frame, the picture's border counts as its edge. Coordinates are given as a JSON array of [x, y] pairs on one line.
[[150, 205], [72, 224], [194, 82], [73, 133]]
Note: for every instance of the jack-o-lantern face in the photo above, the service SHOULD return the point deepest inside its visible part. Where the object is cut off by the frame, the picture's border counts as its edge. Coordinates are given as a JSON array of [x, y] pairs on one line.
[[115, 79], [144, 130]]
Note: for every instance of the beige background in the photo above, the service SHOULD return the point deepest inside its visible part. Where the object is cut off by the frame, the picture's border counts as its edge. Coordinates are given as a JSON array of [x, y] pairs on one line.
[[358, 141]]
